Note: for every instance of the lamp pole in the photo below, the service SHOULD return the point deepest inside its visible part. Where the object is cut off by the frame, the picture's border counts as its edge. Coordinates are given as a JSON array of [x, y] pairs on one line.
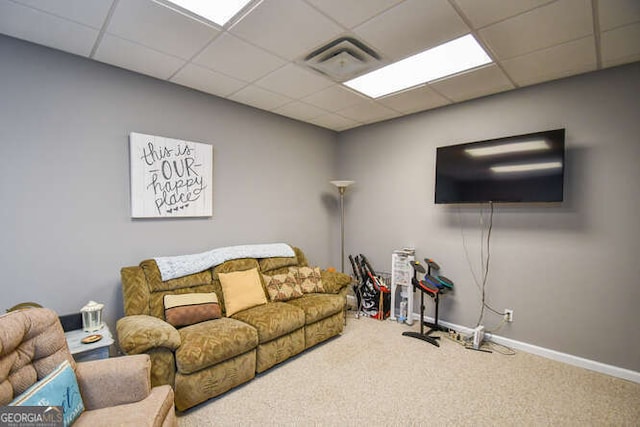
[[342, 186]]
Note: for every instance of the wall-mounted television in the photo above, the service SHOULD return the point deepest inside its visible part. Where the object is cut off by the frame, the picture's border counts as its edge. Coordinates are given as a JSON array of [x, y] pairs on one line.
[[516, 169]]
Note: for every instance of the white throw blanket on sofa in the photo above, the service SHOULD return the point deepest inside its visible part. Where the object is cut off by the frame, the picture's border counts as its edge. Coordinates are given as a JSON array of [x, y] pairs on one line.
[[183, 265]]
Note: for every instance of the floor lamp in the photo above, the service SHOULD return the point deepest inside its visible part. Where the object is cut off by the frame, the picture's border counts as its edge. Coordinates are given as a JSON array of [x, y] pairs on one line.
[[342, 186]]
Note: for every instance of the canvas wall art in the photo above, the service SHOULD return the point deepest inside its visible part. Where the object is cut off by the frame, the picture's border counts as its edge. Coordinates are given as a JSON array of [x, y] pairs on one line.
[[170, 177]]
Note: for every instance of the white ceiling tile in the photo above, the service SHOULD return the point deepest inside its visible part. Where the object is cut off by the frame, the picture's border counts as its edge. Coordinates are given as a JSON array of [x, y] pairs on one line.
[[234, 57], [352, 12], [621, 46], [368, 112], [556, 23], [473, 84], [300, 110], [294, 82], [45, 29], [135, 57], [334, 98], [335, 122], [259, 98], [575, 57], [412, 26], [257, 60], [91, 13], [485, 12], [616, 13], [418, 99], [206, 80], [291, 29], [158, 27]]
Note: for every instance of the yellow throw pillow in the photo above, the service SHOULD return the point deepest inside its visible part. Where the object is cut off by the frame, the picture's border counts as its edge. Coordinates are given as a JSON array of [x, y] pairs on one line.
[[242, 290]]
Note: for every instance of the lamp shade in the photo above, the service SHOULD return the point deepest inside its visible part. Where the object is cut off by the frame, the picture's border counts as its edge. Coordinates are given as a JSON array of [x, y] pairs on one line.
[[342, 184]]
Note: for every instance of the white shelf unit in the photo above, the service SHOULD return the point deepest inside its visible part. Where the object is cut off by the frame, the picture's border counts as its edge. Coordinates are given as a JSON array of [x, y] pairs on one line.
[[401, 287]]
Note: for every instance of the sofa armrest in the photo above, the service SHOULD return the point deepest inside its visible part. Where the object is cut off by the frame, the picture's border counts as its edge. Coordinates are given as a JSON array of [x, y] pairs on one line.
[[334, 281], [139, 333], [116, 381]]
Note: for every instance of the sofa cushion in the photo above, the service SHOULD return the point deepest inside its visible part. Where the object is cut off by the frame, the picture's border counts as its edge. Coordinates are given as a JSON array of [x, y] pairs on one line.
[[198, 282], [242, 290], [187, 309], [276, 264], [241, 264], [282, 287], [318, 306], [214, 341], [309, 279], [272, 320], [156, 284]]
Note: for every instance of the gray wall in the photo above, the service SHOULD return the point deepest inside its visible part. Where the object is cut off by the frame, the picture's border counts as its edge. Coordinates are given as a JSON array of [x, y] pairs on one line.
[[64, 177], [570, 272]]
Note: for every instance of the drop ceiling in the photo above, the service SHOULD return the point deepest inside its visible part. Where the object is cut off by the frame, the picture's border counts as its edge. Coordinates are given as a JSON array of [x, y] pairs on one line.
[[258, 58]]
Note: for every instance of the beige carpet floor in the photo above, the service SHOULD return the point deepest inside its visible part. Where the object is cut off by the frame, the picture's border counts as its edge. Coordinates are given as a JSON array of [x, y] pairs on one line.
[[372, 375]]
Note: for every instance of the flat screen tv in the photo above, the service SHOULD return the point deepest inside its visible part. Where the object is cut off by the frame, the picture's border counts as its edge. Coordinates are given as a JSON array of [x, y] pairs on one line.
[[516, 169]]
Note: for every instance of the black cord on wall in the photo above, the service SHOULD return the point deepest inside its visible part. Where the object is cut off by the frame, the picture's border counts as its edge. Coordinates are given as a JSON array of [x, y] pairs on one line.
[[485, 261]]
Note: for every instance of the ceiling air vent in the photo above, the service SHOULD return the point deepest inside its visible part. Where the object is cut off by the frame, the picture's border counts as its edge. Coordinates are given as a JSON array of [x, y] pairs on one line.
[[343, 59]]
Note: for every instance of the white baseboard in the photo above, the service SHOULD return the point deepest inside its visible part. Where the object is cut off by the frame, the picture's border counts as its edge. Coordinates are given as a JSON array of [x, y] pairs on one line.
[[570, 359]]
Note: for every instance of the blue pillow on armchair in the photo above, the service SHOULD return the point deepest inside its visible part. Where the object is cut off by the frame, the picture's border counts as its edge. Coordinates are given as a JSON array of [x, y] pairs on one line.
[[59, 388]]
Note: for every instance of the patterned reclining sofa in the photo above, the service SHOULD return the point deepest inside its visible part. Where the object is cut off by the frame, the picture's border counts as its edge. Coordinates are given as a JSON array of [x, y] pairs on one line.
[[208, 358]]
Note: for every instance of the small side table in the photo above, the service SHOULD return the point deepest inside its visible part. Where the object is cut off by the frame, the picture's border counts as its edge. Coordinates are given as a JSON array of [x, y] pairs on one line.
[[93, 351]]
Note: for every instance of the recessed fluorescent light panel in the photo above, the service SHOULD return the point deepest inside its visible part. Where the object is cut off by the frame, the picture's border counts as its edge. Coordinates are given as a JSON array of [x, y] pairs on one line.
[[450, 58], [216, 11], [515, 147], [527, 167]]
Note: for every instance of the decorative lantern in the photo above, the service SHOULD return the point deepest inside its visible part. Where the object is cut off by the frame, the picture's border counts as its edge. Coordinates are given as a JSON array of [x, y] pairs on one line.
[[92, 316]]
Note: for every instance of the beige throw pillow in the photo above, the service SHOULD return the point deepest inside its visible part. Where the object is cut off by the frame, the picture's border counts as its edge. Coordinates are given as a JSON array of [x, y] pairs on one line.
[[309, 279], [282, 287], [242, 290]]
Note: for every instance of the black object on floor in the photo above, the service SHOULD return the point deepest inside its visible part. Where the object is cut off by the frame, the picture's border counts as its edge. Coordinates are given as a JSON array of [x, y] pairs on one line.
[[430, 288]]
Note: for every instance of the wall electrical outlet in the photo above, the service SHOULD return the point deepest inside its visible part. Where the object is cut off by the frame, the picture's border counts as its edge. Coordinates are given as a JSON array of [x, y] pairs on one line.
[[508, 315]]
